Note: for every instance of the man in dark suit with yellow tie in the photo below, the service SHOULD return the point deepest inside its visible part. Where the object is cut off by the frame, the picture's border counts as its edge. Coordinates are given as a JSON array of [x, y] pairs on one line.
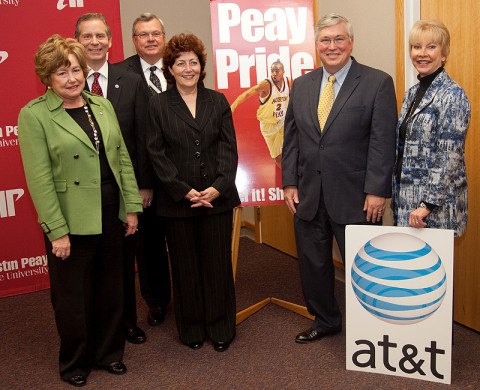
[[148, 35], [338, 157], [129, 99]]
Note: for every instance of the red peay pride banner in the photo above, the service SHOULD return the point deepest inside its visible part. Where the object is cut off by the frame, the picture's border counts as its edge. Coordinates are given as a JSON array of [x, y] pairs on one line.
[[248, 37], [26, 24]]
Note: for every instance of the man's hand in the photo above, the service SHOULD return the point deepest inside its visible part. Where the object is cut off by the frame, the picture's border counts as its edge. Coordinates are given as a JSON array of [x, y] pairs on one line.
[[375, 207], [290, 194]]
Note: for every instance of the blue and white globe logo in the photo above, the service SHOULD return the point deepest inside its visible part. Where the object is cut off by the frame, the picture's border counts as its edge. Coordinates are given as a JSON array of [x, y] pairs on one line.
[[399, 278]]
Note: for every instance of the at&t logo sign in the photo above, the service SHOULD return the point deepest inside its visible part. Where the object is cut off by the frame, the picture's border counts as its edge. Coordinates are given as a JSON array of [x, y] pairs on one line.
[[399, 278], [69, 3], [7, 201]]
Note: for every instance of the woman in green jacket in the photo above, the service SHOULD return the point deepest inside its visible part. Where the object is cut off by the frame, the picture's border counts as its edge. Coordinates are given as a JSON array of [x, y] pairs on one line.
[[81, 180]]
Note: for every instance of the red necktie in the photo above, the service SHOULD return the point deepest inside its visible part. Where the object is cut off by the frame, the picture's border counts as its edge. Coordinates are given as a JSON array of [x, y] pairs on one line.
[[96, 89]]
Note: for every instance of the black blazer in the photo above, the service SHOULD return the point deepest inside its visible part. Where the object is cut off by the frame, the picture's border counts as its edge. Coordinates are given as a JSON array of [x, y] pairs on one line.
[[130, 101], [189, 152], [355, 153], [132, 64]]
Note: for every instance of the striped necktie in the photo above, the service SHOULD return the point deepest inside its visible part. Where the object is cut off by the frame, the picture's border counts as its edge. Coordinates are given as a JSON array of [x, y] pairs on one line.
[[154, 79]]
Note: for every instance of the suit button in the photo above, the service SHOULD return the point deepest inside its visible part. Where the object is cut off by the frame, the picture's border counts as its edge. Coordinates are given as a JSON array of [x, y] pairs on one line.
[[197, 154], [202, 165], [76, 156], [197, 142], [322, 147], [118, 146], [76, 182]]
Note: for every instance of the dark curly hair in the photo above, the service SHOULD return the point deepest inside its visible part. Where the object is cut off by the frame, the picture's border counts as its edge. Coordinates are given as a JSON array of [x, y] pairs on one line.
[[183, 43]]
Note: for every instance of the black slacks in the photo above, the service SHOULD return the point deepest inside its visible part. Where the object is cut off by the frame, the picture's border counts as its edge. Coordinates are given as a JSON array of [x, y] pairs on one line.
[[203, 287], [148, 247], [152, 259], [317, 272], [87, 297], [314, 246]]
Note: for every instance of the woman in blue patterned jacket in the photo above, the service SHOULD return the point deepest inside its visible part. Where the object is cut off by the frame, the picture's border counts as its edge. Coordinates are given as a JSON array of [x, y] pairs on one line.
[[430, 182]]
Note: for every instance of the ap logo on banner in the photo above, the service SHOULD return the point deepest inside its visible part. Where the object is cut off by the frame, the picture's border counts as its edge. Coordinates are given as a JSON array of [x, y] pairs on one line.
[[69, 3]]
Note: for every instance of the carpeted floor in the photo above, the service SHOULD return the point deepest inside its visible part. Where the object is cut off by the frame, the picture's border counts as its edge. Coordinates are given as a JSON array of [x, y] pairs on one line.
[[263, 355]]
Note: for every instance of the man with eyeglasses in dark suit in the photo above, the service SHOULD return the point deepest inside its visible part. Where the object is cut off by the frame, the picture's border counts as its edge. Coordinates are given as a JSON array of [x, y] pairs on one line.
[[148, 35]]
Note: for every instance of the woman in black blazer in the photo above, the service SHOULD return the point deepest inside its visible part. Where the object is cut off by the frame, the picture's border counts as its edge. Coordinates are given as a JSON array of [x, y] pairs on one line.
[[192, 146]]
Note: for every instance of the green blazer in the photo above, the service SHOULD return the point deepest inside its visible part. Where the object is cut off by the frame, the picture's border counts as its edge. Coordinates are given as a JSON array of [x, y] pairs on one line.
[[62, 168]]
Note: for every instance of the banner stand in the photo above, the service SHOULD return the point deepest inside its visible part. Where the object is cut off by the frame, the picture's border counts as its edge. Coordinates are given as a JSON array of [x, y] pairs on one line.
[[249, 311]]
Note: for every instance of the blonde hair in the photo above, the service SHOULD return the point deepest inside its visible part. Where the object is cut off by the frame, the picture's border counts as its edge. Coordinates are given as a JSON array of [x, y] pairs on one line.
[[53, 54], [432, 31]]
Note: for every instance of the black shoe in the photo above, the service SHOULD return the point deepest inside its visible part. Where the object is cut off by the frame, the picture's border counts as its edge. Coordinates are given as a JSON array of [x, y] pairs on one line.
[[78, 380], [135, 335], [311, 335], [196, 344], [221, 346], [155, 316], [117, 368]]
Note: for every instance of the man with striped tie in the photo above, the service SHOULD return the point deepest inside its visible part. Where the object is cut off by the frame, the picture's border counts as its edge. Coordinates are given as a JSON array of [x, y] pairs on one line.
[[148, 35]]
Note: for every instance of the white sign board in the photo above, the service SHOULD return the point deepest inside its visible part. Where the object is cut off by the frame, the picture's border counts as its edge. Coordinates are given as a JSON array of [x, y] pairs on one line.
[[399, 299]]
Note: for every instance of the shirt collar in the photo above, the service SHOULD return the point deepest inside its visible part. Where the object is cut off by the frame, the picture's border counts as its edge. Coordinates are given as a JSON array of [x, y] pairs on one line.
[[103, 71], [146, 66], [340, 75]]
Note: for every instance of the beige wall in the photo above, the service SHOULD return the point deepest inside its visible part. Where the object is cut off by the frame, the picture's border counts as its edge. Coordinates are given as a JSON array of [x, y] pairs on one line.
[[373, 23]]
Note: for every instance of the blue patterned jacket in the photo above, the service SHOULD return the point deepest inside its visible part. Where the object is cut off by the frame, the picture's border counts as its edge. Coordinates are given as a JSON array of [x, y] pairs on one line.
[[433, 167]]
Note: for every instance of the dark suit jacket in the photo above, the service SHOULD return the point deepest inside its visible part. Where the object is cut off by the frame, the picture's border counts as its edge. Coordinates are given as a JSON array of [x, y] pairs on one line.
[[132, 64], [189, 152], [354, 155], [130, 100]]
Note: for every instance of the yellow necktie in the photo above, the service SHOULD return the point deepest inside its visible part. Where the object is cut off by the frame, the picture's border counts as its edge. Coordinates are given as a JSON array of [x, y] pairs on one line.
[[326, 102]]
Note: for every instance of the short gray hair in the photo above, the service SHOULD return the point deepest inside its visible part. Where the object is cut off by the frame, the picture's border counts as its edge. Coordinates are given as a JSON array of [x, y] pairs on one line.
[[332, 20], [146, 17]]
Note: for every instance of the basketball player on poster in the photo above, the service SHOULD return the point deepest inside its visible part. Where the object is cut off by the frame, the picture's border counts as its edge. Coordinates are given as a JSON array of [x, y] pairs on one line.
[[273, 95]]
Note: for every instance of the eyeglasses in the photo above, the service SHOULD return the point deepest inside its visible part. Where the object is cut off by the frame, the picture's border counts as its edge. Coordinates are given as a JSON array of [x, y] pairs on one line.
[[143, 36], [339, 41]]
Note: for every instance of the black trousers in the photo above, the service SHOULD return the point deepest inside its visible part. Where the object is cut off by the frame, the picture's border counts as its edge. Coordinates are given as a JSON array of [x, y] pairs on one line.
[[152, 260], [87, 297], [317, 272], [314, 247], [148, 247], [203, 287]]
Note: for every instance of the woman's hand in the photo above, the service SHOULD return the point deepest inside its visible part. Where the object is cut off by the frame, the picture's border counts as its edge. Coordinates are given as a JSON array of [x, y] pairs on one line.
[[203, 198], [147, 197], [416, 218], [132, 223], [61, 247]]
